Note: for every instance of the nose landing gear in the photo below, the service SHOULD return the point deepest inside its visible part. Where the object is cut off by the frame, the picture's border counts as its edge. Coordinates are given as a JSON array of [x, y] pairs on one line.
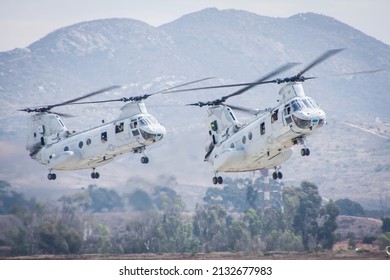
[[51, 176]]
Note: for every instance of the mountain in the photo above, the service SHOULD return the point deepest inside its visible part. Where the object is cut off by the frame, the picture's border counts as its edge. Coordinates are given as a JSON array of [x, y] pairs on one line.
[[349, 159]]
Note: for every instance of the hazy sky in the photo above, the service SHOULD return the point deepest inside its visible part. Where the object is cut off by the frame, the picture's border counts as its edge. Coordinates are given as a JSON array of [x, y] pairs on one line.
[[23, 22]]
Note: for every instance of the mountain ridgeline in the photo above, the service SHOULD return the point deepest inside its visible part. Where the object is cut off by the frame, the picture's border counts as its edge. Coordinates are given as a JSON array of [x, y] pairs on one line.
[[234, 46]]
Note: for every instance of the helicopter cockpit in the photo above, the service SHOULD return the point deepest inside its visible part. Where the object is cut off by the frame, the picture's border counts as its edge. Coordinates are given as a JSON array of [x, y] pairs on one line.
[[305, 113], [149, 127]]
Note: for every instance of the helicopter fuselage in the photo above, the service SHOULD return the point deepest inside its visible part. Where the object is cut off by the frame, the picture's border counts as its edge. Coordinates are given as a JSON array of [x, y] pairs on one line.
[[60, 149], [267, 140]]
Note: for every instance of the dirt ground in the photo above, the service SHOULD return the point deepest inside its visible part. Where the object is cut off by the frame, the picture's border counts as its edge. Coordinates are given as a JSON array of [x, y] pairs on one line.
[[350, 255]]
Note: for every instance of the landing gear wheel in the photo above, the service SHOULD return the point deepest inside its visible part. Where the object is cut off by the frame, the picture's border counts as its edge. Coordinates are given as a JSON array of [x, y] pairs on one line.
[[217, 180], [305, 152], [275, 175], [95, 175], [144, 160], [51, 176], [280, 175]]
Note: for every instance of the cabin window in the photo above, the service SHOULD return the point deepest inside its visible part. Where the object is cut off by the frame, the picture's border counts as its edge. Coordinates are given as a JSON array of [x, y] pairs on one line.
[[214, 125], [287, 110], [81, 144], [89, 141], [262, 128], [250, 135], [66, 149], [103, 137], [119, 127], [133, 124], [232, 146], [274, 116], [243, 139]]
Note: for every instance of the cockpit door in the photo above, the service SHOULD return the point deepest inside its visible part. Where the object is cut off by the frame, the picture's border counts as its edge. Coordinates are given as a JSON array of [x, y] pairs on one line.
[[134, 127]]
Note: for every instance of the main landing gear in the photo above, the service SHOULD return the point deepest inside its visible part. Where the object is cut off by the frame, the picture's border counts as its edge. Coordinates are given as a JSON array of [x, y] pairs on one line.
[[277, 174], [51, 176], [217, 179], [144, 160], [94, 174], [305, 152]]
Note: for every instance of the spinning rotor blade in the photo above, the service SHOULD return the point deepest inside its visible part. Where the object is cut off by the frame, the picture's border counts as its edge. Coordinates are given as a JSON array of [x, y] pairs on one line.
[[49, 107], [142, 97], [318, 60], [248, 86], [246, 110], [261, 81]]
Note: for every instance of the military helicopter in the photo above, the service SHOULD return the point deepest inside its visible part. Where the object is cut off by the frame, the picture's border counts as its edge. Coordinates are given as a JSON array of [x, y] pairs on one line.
[[52, 144], [266, 141]]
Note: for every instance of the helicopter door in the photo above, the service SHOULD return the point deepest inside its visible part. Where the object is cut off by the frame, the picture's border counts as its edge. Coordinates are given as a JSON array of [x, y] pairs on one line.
[[134, 127], [287, 115]]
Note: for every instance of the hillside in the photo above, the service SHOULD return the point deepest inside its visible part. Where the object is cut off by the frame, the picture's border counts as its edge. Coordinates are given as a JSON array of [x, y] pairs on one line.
[[348, 160]]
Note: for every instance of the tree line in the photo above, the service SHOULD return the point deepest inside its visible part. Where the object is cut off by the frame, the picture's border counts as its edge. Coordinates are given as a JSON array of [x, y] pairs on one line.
[[235, 218]]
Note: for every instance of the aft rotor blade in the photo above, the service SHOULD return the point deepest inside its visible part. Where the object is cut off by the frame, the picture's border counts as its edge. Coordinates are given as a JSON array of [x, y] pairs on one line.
[[320, 59], [142, 97], [84, 96], [246, 110], [182, 85]]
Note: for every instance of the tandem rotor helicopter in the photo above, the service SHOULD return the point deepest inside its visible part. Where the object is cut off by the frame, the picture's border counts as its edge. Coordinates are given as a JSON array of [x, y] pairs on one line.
[[51, 143], [266, 141]]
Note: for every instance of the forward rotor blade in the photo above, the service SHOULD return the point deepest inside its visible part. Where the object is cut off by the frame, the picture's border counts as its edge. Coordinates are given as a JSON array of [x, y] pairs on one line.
[[320, 59], [359, 72], [261, 80]]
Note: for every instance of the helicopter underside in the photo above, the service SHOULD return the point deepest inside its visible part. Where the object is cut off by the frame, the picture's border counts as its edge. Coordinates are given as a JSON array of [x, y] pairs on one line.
[[233, 160]]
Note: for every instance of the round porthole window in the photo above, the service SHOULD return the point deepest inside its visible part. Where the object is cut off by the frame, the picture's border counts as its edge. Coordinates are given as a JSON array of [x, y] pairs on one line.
[[66, 149], [244, 139], [89, 142], [81, 144], [250, 136]]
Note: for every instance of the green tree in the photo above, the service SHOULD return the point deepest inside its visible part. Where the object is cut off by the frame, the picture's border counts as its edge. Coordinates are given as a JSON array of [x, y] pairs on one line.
[[168, 201], [139, 200], [103, 200], [326, 236], [233, 196], [350, 208], [55, 237], [302, 208], [209, 226], [386, 224]]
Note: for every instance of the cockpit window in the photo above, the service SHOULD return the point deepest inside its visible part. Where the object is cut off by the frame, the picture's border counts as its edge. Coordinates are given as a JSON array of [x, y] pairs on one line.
[[147, 120], [312, 102], [142, 121], [296, 105]]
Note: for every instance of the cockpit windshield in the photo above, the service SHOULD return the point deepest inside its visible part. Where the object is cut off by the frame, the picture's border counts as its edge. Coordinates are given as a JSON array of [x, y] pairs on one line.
[[298, 104], [147, 120]]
